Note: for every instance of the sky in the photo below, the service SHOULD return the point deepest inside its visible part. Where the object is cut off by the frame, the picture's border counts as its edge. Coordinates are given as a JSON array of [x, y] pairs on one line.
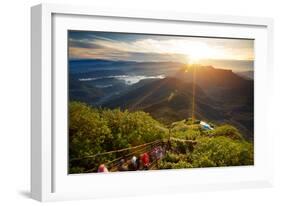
[[221, 52]]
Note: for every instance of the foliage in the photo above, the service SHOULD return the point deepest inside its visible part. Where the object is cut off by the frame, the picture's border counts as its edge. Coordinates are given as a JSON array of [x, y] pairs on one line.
[[175, 161], [93, 131], [222, 151], [186, 130], [87, 130], [227, 130], [134, 128], [179, 165], [223, 146], [88, 135], [97, 130]]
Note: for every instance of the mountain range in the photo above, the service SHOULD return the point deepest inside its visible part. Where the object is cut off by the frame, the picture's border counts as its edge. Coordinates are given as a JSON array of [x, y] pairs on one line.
[[219, 95], [246, 74]]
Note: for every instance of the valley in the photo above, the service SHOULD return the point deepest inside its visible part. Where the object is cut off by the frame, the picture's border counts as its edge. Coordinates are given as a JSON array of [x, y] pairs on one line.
[[165, 90]]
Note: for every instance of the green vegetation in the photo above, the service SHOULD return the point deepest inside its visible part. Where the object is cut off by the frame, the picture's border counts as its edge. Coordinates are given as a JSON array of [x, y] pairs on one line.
[[93, 131], [96, 130], [223, 146]]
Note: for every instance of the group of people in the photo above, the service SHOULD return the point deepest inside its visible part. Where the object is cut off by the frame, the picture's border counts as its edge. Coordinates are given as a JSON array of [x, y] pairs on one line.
[[137, 163]]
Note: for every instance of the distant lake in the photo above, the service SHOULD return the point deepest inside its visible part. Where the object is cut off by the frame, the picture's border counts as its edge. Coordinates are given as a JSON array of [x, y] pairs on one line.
[[128, 79]]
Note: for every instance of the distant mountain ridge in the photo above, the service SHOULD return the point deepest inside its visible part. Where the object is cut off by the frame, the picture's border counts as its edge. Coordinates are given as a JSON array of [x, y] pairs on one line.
[[167, 99], [221, 95], [246, 74], [90, 65]]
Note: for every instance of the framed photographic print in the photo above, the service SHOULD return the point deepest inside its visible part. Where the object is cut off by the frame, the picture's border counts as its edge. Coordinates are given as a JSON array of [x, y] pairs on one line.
[[134, 102]]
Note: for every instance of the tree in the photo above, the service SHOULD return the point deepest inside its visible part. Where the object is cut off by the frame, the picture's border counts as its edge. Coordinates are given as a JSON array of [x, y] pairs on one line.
[[222, 151], [95, 130], [134, 127], [88, 133], [228, 131]]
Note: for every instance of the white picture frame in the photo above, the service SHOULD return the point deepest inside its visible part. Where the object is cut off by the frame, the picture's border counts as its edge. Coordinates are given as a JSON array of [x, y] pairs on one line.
[[49, 179]]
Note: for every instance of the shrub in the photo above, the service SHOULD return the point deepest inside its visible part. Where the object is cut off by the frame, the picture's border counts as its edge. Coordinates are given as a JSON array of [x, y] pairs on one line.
[[93, 131], [228, 131], [222, 151]]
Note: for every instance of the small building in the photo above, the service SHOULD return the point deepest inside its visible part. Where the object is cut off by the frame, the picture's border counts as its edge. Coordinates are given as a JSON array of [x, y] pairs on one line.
[[206, 126]]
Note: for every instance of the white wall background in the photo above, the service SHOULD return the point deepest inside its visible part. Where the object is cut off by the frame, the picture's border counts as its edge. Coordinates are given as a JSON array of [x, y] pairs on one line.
[[15, 100]]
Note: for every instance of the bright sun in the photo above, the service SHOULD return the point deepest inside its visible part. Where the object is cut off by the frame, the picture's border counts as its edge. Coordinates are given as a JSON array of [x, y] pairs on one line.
[[198, 51], [194, 58]]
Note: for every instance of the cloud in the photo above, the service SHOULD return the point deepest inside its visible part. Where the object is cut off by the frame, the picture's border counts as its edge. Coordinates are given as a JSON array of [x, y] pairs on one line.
[[102, 53], [148, 47], [83, 44]]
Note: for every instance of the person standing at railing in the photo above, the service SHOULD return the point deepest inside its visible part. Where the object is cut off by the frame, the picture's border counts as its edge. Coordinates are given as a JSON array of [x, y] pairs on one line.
[[145, 160], [122, 167], [132, 166], [139, 163], [152, 154]]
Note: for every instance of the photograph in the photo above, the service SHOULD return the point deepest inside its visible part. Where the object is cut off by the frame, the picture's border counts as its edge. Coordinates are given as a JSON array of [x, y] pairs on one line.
[[139, 101]]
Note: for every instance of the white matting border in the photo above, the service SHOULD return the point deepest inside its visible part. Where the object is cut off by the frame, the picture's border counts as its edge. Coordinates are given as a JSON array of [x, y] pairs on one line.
[[50, 180]]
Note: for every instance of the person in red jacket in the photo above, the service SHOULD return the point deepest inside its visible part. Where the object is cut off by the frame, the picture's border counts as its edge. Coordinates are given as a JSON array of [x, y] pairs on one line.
[[145, 160], [102, 168]]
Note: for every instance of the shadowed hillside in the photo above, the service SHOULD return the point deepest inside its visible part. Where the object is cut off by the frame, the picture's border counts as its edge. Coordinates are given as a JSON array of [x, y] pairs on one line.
[[167, 100], [220, 95]]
